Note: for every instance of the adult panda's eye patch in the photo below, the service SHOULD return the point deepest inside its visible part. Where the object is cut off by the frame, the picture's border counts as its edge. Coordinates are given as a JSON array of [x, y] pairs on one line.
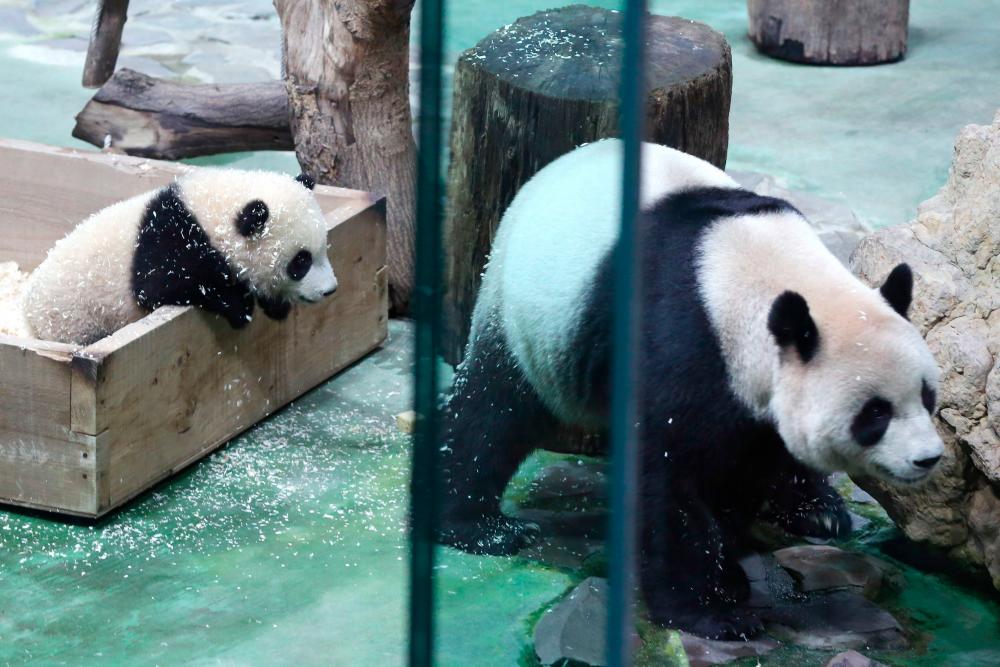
[[928, 396], [872, 421], [299, 265]]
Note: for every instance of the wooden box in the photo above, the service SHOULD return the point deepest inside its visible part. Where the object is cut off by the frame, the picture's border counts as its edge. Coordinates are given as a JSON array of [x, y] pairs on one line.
[[85, 429]]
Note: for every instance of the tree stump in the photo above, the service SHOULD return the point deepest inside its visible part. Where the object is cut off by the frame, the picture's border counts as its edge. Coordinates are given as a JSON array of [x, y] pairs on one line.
[[346, 66], [830, 32], [540, 87]]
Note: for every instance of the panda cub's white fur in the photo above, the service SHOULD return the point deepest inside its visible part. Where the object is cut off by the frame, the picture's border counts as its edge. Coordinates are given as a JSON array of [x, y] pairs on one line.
[[85, 288]]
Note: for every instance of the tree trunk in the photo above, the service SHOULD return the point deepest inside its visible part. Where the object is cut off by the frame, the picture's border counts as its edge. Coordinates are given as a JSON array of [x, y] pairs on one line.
[[347, 74], [105, 41], [535, 90], [830, 32], [142, 115]]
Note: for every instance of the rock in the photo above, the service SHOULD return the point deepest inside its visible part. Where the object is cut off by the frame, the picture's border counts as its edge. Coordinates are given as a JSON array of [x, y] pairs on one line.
[[769, 583], [823, 568], [859, 495], [565, 551], [702, 652], [852, 659], [569, 479], [858, 522], [953, 247], [838, 620], [573, 630]]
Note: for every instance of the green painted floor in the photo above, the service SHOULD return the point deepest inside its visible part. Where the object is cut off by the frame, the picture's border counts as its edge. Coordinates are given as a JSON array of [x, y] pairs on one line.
[[289, 546]]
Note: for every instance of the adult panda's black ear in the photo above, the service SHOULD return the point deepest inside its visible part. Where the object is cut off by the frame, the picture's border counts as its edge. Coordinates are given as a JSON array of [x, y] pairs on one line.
[[791, 324], [253, 218], [305, 179], [897, 289]]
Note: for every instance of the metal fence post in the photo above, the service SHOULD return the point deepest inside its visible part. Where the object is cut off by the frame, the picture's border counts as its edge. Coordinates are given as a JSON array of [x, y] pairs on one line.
[[427, 311], [625, 339]]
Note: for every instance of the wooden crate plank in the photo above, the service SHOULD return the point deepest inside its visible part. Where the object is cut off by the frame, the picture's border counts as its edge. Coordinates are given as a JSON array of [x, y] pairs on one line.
[[47, 473], [181, 382], [88, 181], [35, 387]]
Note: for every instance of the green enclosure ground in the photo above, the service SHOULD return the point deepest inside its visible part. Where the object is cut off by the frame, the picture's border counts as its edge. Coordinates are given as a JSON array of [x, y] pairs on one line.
[[289, 546]]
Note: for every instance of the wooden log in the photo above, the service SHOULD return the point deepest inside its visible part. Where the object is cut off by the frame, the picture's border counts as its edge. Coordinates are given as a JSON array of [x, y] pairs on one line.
[[346, 65], [830, 32], [538, 88], [105, 40], [149, 117]]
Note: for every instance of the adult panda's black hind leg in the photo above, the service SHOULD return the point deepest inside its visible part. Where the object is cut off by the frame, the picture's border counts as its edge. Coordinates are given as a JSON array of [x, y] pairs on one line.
[[802, 502], [492, 421]]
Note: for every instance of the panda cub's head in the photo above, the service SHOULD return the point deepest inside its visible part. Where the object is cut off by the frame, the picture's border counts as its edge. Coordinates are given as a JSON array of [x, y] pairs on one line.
[[856, 386], [269, 228]]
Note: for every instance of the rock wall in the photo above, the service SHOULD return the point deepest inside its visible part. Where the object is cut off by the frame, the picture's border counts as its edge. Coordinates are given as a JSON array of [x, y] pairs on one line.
[[953, 247]]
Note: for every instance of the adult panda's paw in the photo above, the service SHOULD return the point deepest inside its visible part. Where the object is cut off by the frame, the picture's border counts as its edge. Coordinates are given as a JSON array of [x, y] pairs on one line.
[[493, 535], [810, 508], [721, 624]]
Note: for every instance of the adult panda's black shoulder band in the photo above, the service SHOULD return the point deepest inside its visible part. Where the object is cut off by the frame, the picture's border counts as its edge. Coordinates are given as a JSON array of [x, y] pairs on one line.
[[702, 205]]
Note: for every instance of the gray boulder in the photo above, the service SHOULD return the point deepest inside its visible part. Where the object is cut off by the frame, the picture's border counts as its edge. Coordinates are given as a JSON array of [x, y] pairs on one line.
[[852, 659], [573, 630], [953, 247]]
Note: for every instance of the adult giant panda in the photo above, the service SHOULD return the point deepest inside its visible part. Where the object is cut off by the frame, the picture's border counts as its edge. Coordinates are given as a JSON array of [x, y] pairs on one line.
[[763, 363], [215, 238]]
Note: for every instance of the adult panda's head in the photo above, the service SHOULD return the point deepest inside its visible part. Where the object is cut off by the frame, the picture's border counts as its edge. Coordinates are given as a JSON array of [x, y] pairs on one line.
[[269, 228], [856, 384]]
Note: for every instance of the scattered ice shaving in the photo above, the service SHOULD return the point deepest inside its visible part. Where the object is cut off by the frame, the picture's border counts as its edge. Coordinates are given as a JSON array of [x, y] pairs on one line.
[[12, 284]]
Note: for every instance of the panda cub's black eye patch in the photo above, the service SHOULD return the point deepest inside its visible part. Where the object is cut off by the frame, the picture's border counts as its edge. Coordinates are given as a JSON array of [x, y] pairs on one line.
[[928, 396], [299, 266], [872, 421]]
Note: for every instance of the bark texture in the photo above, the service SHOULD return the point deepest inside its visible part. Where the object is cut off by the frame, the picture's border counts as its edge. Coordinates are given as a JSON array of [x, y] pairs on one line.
[[142, 115], [347, 76], [830, 32], [105, 41], [542, 86]]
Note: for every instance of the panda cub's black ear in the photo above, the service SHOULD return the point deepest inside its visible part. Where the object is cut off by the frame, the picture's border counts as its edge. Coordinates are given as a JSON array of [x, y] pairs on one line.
[[897, 289], [253, 218], [305, 179], [791, 324]]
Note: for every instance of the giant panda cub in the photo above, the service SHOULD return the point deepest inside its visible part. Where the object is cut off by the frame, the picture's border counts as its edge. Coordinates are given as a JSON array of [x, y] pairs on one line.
[[219, 239], [764, 364]]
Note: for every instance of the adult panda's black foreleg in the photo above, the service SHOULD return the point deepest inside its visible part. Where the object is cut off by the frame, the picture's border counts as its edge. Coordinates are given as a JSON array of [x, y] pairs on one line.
[[493, 420]]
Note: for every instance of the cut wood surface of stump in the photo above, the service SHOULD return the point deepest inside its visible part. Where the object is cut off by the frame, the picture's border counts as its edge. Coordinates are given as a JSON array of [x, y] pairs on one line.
[[542, 86], [830, 32]]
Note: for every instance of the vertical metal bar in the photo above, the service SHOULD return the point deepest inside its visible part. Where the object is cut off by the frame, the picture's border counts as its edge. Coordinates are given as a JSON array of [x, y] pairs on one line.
[[427, 311], [625, 341]]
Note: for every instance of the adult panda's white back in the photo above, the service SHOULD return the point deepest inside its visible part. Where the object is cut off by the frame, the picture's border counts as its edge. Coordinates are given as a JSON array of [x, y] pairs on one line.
[[560, 226]]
